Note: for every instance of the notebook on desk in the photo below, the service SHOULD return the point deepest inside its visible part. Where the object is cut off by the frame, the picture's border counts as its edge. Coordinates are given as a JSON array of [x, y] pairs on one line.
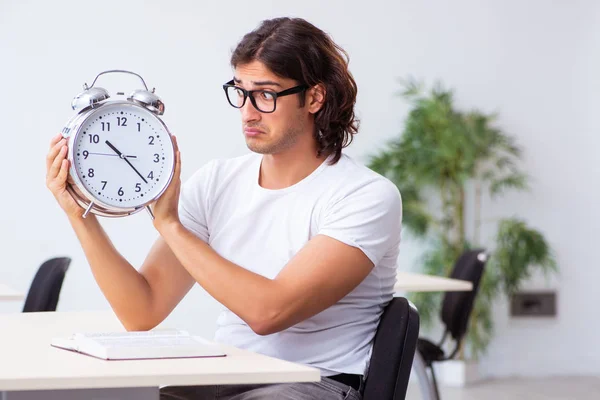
[[168, 343]]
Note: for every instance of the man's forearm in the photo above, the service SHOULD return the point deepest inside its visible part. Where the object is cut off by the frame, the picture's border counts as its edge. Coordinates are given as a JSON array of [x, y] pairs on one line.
[[250, 296], [124, 287]]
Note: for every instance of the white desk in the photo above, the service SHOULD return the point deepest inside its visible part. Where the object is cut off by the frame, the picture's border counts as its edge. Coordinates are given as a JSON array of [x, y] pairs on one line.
[[32, 369], [411, 282], [7, 293]]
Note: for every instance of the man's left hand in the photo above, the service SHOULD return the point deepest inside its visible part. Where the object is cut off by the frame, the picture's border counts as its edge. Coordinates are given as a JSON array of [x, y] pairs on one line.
[[166, 208]]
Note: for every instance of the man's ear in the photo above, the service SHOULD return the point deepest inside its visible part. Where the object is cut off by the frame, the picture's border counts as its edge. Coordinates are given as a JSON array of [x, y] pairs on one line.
[[316, 98]]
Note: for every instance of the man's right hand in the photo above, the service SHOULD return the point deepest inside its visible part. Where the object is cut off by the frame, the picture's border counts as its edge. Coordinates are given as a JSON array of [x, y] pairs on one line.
[[57, 174]]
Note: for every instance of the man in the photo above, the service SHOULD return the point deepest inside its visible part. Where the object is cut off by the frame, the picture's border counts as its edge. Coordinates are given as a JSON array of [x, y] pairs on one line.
[[295, 239]]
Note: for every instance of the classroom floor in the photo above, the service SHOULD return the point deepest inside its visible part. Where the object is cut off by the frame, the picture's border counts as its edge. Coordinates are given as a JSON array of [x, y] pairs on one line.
[[567, 388]]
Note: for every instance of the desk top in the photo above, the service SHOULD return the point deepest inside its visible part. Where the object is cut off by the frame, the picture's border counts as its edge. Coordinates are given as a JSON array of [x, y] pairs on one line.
[[411, 282], [7, 293], [28, 362]]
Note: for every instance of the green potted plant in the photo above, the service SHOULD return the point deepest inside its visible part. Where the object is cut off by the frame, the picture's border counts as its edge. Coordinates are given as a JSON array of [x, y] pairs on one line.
[[444, 158]]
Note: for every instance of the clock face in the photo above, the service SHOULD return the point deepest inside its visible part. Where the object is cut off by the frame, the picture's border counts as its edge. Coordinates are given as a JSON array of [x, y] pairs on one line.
[[123, 155]]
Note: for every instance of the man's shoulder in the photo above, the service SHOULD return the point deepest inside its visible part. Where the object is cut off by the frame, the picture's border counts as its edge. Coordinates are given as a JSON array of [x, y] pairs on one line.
[[224, 166], [233, 163], [217, 173], [354, 176], [220, 165]]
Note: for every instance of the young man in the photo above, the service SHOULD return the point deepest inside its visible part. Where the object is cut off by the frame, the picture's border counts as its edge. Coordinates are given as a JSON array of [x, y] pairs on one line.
[[295, 239]]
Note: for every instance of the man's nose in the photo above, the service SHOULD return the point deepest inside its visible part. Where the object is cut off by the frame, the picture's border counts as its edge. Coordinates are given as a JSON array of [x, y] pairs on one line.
[[249, 112]]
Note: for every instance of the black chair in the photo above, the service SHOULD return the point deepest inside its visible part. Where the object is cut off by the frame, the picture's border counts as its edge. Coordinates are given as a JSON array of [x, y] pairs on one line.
[[46, 285], [456, 310], [393, 352]]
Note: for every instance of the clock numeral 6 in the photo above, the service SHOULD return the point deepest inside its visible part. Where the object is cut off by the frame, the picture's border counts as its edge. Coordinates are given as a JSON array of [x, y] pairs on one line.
[[121, 192]]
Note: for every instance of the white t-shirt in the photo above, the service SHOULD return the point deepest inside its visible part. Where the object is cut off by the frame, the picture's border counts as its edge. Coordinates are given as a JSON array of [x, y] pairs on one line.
[[261, 230]]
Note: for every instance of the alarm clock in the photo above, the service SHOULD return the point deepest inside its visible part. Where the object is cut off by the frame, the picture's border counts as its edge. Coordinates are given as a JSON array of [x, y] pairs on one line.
[[121, 154]]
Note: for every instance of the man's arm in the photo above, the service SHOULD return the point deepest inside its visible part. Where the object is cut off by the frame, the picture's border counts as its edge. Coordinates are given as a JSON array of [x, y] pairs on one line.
[[319, 275], [141, 300]]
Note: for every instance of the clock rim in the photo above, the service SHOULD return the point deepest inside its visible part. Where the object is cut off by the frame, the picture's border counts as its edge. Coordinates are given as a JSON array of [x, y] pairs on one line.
[[73, 129]]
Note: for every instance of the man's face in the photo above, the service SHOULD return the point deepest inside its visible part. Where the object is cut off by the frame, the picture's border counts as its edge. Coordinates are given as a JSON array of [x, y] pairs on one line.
[[270, 133]]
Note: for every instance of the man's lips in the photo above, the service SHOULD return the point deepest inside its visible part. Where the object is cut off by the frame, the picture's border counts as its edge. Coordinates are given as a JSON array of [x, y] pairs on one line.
[[252, 131]]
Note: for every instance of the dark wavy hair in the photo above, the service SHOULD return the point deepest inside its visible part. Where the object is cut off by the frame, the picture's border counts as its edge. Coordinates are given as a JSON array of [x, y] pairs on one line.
[[294, 48]]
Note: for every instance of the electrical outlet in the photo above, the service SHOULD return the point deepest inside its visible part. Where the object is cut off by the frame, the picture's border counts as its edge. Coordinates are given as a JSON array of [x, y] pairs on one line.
[[533, 304]]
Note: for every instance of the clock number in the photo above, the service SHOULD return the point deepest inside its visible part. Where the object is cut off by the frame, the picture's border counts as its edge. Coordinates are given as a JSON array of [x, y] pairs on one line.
[[151, 138], [95, 138], [91, 172], [85, 154], [139, 127], [138, 187], [122, 121], [151, 175], [121, 192], [156, 157], [105, 127], [104, 184]]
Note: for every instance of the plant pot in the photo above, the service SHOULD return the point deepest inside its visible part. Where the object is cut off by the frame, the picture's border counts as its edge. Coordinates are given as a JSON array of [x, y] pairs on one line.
[[457, 373]]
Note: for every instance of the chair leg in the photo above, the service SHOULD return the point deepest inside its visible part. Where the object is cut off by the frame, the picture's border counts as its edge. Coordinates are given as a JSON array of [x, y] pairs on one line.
[[420, 368], [434, 382]]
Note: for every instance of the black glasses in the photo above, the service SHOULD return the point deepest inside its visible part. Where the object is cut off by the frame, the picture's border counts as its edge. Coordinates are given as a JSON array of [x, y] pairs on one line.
[[264, 101]]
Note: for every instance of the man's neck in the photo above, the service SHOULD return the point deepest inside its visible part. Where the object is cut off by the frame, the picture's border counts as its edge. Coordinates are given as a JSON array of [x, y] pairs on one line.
[[278, 171]]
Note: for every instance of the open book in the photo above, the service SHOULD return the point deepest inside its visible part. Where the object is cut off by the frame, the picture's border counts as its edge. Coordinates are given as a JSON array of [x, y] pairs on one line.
[[168, 343]]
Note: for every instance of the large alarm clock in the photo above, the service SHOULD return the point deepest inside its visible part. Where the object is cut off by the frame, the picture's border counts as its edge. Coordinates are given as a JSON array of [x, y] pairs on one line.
[[121, 153]]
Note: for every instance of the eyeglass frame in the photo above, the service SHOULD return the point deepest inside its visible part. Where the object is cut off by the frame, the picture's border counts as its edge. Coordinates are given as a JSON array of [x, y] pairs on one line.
[[250, 93]]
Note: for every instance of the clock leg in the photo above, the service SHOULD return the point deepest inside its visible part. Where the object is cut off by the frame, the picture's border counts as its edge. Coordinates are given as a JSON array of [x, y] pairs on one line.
[[87, 210], [150, 212]]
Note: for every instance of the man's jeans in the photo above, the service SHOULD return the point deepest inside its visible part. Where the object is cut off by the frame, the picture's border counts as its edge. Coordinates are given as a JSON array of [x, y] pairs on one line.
[[326, 389]]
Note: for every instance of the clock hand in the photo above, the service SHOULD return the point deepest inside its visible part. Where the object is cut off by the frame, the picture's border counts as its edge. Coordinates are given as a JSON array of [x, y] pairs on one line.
[[126, 160], [111, 155], [113, 148]]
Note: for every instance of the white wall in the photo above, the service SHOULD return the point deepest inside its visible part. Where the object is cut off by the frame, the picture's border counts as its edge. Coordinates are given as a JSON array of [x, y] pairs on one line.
[[534, 62]]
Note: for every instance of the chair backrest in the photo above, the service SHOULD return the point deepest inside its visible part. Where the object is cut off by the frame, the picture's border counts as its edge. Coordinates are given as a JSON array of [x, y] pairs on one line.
[[393, 352], [457, 306], [46, 285]]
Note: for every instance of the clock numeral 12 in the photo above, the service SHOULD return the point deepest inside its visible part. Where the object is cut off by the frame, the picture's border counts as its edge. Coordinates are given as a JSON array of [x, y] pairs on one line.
[[122, 121]]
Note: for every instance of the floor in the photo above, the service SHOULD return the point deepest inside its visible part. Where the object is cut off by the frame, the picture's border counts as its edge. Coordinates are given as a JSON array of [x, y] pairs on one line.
[[575, 388]]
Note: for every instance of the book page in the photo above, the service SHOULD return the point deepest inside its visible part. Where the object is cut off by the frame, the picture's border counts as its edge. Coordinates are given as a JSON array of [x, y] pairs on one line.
[[133, 334], [147, 341]]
